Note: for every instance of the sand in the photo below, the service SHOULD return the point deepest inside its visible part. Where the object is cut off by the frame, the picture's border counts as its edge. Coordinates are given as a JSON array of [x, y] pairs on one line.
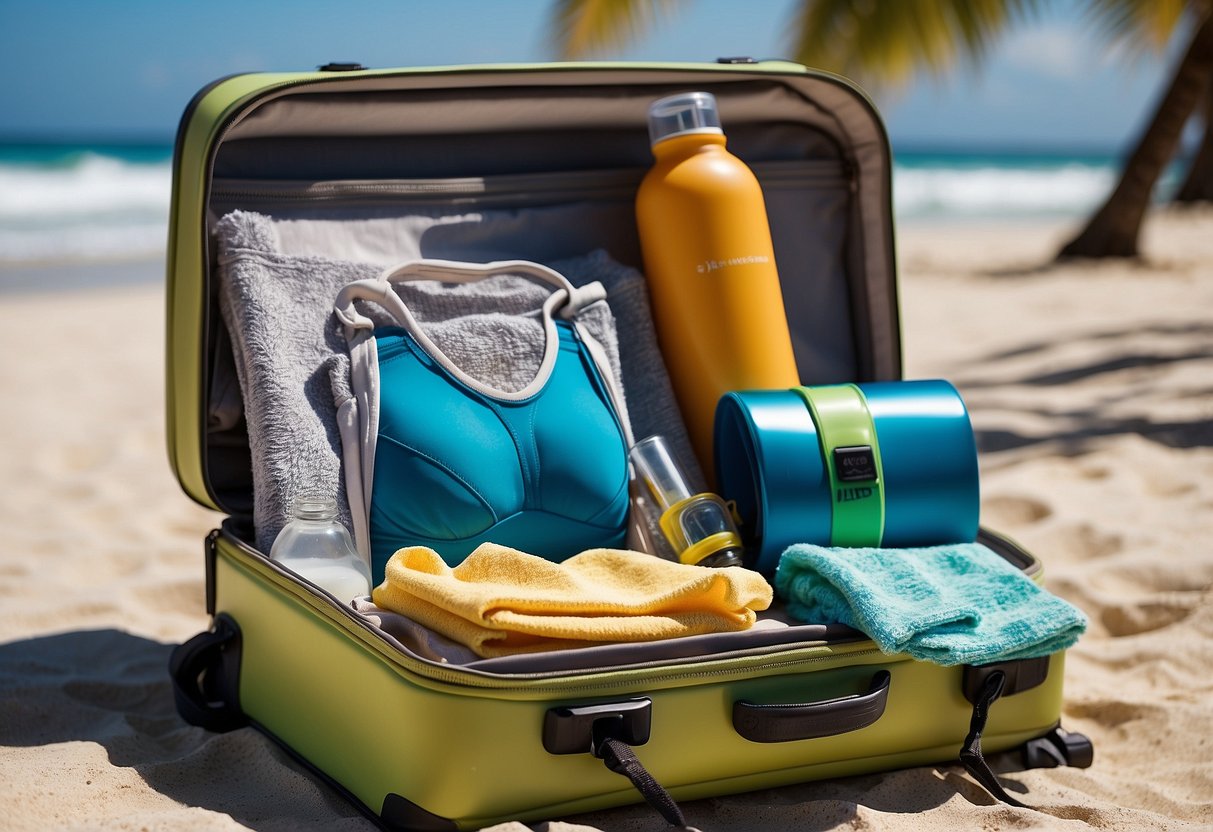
[[1090, 385]]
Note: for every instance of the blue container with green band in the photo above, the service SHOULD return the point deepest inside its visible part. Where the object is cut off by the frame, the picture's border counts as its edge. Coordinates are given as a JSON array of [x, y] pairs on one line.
[[889, 464]]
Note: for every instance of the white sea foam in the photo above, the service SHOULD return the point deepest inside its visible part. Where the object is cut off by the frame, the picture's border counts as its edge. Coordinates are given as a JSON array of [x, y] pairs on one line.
[[999, 192], [97, 206], [103, 206]]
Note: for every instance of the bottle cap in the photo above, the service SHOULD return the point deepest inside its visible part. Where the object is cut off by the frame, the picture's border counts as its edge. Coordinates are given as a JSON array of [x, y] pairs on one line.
[[686, 112]]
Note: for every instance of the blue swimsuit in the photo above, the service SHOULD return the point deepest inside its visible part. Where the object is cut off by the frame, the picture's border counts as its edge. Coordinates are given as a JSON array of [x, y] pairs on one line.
[[455, 463]]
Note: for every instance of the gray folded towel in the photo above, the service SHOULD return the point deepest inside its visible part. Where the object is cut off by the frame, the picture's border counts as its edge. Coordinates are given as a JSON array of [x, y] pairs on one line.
[[290, 355]]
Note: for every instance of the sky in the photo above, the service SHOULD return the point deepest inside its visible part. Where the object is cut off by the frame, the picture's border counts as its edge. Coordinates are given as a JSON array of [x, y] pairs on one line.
[[96, 70]]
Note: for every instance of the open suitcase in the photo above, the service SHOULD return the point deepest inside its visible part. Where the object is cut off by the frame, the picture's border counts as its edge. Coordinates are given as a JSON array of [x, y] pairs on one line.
[[418, 744]]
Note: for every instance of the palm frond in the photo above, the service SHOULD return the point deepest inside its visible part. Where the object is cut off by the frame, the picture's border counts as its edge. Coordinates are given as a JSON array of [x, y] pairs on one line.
[[1139, 24], [581, 28], [884, 43]]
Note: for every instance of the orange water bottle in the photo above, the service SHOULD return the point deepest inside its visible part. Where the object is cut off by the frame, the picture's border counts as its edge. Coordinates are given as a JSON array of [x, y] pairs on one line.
[[710, 266]]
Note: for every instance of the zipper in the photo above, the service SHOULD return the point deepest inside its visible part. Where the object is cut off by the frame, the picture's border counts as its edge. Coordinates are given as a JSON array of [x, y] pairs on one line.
[[531, 683], [510, 189], [210, 551], [516, 189], [765, 659]]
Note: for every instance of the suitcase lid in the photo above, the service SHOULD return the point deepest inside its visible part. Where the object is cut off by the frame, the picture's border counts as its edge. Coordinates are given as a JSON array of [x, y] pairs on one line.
[[268, 126]]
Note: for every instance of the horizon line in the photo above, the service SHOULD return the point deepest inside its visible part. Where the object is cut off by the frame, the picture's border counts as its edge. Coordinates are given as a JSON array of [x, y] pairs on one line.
[[916, 145]]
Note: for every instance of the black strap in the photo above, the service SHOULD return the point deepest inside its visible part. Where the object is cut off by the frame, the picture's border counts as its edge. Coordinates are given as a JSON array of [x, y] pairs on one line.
[[620, 759], [970, 754], [205, 674]]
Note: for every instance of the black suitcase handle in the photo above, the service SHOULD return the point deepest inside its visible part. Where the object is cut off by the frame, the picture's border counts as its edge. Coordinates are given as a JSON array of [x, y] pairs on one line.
[[783, 723], [205, 672]]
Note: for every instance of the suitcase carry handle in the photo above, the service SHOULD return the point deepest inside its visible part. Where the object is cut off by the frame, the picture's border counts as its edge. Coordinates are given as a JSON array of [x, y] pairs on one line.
[[784, 723]]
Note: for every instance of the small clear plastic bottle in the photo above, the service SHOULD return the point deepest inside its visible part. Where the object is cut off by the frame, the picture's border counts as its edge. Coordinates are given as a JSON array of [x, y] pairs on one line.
[[315, 546]]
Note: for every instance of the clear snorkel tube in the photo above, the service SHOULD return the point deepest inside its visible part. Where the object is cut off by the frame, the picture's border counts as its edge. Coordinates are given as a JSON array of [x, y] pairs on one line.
[[698, 526]]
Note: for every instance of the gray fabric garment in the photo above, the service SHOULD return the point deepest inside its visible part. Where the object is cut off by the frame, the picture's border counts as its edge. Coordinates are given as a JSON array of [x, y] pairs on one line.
[[770, 630], [413, 637], [291, 359], [285, 343]]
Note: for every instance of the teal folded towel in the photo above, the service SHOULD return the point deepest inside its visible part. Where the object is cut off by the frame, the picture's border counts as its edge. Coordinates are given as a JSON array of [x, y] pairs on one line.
[[958, 604]]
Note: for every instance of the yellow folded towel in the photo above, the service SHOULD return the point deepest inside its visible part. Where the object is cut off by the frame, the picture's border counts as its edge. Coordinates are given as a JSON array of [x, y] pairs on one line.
[[500, 601]]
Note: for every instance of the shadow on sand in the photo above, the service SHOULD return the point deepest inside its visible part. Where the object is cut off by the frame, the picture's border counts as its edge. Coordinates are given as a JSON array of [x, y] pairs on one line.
[[112, 688], [986, 386]]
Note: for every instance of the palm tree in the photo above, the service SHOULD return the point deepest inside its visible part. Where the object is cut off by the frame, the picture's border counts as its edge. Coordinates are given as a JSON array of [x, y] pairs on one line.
[[878, 42], [1198, 185], [886, 42], [1114, 228]]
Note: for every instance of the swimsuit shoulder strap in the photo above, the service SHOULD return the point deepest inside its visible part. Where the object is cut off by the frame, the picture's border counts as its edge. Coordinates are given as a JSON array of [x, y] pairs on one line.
[[566, 301]]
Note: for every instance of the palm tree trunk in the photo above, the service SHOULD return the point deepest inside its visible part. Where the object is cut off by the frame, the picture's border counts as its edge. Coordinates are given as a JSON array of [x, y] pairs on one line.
[[1198, 184], [1113, 230]]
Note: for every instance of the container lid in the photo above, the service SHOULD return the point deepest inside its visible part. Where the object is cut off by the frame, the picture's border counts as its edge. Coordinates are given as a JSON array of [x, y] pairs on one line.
[[769, 464], [686, 112]]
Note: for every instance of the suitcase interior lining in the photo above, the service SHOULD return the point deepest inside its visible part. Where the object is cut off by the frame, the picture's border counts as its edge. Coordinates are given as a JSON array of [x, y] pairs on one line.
[[502, 121], [570, 118], [526, 223]]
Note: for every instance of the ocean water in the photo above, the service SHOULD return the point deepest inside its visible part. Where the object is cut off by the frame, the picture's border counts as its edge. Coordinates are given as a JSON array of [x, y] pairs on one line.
[[82, 202], [110, 202]]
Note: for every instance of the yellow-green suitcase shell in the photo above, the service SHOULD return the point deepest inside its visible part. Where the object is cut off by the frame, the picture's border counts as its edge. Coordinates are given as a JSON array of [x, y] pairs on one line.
[[422, 745]]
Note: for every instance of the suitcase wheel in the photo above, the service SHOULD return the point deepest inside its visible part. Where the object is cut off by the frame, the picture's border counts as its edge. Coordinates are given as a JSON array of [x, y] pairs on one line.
[[1058, 748]]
